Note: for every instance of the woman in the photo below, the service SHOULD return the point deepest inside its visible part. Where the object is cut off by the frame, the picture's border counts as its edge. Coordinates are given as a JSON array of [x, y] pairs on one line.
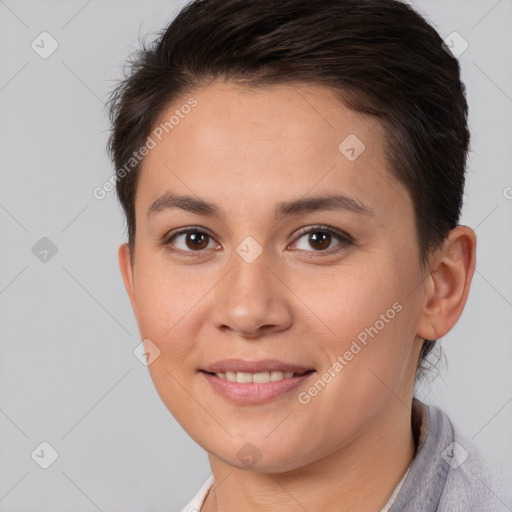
[[292, 175]]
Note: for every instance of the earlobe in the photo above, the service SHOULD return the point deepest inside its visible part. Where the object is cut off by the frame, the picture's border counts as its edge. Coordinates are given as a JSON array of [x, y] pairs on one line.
[[447, 286], [125, 265]]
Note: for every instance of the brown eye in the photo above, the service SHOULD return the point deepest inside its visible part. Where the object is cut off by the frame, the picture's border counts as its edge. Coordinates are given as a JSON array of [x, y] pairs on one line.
[[189, 240], [196, 240], [320, 240]]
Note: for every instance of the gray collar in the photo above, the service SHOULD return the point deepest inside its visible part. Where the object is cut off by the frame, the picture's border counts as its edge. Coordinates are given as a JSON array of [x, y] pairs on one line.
[[422, 489]]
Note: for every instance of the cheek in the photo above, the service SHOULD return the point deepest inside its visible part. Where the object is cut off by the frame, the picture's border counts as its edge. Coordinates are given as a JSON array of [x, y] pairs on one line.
[[353, 298], [360, 316], [166, 306]]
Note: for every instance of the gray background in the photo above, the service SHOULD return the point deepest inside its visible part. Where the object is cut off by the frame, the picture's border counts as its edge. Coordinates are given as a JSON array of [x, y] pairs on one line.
[[68, 375]]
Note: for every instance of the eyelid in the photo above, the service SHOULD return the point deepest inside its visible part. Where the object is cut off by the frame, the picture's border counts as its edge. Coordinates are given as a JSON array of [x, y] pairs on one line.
[[166, 239], [189, 229], [345, 240], [322, 227]]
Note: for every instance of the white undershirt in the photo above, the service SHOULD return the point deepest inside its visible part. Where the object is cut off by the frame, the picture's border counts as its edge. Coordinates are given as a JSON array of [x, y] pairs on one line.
[[392, 498]]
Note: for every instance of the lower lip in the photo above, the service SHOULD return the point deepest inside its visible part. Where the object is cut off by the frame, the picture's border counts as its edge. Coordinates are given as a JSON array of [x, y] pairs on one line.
[[252, 392]]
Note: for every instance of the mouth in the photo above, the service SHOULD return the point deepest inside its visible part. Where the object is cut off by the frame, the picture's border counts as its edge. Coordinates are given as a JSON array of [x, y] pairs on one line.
[[257, 377], [263, 366], [245, 388]]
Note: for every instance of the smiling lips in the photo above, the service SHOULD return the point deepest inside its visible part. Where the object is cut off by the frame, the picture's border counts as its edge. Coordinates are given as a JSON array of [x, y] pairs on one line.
[[254, 382], [264, 365], [258, 377], [266, 370]]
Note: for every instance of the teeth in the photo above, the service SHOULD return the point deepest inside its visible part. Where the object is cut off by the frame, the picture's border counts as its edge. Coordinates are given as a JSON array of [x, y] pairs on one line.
[[260, 378]]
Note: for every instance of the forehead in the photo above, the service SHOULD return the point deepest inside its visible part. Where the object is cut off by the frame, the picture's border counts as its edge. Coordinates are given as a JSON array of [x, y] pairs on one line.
[[267, 144]]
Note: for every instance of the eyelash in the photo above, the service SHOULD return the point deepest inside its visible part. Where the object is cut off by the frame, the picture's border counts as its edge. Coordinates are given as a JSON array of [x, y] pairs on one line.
[[345, 240]]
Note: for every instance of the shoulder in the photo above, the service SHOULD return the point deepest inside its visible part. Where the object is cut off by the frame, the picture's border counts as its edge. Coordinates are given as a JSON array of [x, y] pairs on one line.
[[448, 473], [473, 483]]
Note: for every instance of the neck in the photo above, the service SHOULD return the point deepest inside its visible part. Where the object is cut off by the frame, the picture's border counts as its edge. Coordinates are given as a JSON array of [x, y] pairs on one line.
[[375, 461]]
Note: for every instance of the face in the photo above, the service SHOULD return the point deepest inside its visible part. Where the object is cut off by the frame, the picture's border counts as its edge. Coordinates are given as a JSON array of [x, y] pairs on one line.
[[271, 268]]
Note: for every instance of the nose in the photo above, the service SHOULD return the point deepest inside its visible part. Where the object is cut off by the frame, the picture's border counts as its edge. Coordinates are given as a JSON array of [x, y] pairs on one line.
[[252, 299]]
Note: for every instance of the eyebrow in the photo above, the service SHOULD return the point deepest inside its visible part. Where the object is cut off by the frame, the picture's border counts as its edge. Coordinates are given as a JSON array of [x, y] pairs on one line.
[[304, 205]]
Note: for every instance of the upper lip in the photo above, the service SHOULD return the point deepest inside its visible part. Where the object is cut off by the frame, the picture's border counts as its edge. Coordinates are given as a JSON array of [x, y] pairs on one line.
[[264, 365]]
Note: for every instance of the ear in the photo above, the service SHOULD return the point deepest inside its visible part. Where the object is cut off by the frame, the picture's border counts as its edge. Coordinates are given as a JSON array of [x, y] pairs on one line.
[[127, 271], [447, 286]]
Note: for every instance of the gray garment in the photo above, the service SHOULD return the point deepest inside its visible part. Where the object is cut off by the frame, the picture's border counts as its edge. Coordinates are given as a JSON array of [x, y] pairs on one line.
[[448, 473]]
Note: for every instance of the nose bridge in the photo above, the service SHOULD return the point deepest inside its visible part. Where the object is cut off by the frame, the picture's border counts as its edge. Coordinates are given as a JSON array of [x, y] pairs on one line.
[[249, 261], [250, 276], [250, 296]]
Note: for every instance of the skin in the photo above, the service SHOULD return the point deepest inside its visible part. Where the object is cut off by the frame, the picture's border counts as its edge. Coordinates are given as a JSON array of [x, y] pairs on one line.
[[247, 150]]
